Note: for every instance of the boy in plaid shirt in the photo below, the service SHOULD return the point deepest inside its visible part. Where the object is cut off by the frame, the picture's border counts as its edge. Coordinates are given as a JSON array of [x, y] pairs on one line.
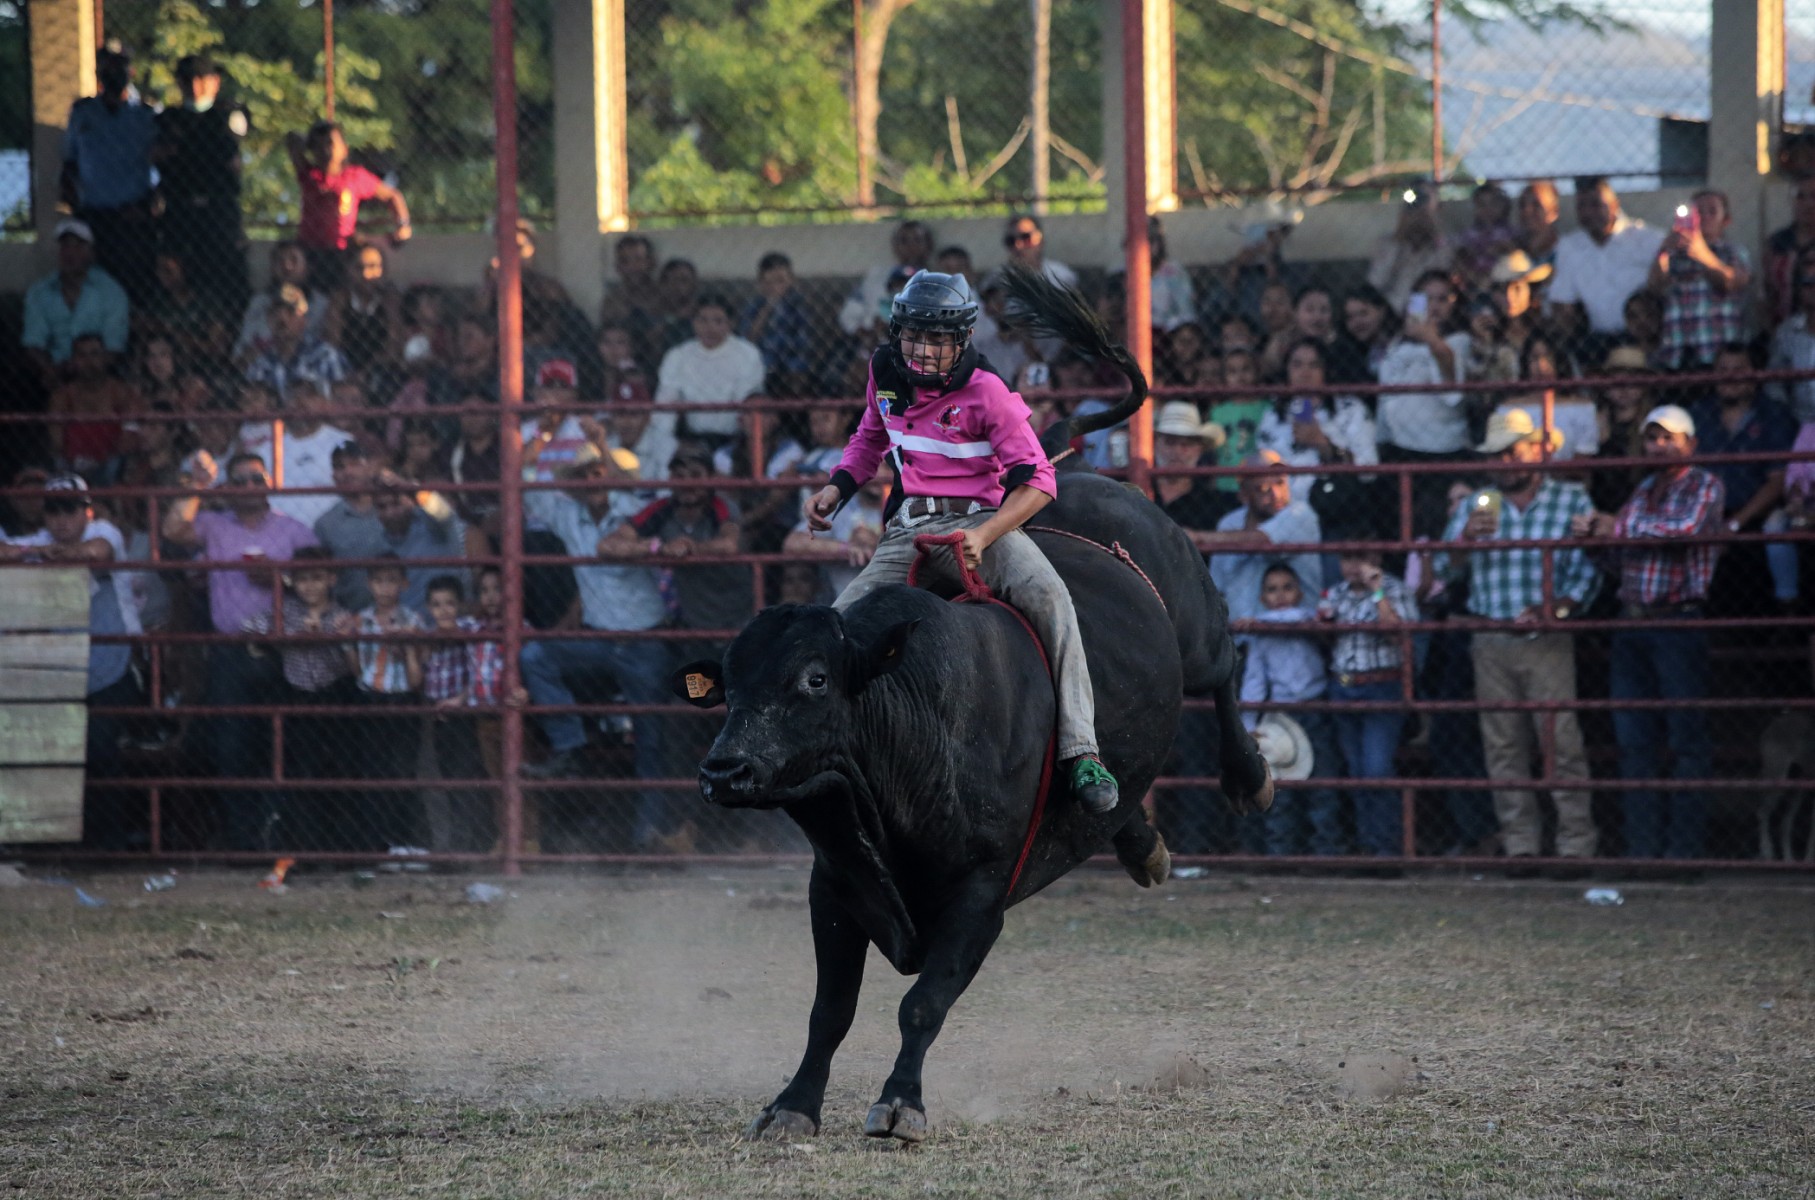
[[389, 672], [464, 823]]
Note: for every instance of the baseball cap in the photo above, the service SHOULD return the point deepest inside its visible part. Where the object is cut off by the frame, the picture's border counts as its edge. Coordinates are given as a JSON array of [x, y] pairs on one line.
[[557, 372], [67, 482], [1672, 417], [73, 227]]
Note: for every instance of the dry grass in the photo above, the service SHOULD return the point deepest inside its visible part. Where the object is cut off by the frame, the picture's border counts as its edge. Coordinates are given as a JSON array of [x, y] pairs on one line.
[[609, 1035]]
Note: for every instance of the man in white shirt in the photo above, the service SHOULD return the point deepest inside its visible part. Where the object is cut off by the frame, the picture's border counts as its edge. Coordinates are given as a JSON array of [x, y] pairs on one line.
[[309, 446], [1599, 266], [864, 314], [715, 365]]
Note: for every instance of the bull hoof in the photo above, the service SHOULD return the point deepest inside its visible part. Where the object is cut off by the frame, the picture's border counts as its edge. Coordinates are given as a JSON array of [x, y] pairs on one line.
[[1158, 867], [1257, 801], [895, 1119], [1262, 800], [780, 1124]]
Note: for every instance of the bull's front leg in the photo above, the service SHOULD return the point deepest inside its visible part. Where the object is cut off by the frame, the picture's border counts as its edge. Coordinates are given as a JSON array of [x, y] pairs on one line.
[[956, 948], [839, 947]]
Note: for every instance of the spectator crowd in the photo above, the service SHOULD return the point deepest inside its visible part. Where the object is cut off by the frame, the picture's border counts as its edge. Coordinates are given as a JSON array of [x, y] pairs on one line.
[[331, 446]]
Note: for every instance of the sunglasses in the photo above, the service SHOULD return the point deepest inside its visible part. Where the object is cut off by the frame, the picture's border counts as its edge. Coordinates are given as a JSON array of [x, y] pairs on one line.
[[62, 507], [1015, 239], [246, 480]]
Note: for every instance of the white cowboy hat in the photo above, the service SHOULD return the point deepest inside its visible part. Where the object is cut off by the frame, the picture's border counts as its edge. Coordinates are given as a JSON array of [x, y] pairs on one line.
[[1178, 418], [1510, 426], [1285, 745]]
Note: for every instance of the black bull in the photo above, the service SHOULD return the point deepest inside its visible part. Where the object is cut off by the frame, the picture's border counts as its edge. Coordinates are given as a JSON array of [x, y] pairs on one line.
[[906, 738]]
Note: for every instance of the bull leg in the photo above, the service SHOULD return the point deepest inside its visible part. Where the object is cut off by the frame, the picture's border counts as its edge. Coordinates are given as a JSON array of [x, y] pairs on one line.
[[957, 947], [1247, 779], [839, 947], [1141, 850]]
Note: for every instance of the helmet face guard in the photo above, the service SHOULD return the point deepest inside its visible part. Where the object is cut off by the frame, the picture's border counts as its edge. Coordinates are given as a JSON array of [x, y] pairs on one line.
[[930, 319]]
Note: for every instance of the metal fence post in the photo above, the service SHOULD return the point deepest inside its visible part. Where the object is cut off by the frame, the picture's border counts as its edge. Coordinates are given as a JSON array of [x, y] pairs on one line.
[[510, 403]]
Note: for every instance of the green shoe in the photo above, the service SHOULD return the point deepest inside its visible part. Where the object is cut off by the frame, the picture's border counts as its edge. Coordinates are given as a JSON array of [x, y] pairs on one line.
[[1093, 784]]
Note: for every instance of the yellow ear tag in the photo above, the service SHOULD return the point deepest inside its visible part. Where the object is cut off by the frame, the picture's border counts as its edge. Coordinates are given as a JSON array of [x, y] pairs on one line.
[[698, 686]]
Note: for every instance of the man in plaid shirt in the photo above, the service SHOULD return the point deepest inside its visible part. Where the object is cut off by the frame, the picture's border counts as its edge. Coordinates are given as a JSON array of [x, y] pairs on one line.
[[1661, 579], [1702, 278], [1521, 665]]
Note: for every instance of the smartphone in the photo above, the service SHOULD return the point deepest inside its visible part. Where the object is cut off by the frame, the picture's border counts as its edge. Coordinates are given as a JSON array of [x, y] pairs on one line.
[[1688, 220], [1489, 502], [1418, 306], [1038, 375], [1304, 410]]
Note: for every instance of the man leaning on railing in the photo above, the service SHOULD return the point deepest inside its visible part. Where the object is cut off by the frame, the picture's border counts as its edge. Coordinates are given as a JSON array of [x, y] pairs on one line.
[[1663, 579]]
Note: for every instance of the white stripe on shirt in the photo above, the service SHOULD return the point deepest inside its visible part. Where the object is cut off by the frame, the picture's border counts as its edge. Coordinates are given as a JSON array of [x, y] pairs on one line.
[[909, 441]]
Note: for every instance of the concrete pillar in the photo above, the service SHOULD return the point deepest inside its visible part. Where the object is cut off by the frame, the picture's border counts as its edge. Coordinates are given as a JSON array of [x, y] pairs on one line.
[[1746, 83], [592, 185], [63, 71]]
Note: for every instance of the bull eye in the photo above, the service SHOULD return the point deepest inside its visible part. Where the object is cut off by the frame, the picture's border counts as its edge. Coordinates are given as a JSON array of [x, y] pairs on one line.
[[815, 681]]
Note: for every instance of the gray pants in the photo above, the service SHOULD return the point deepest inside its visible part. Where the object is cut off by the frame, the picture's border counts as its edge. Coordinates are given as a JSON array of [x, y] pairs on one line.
[[1511, 667], [1018, 574]]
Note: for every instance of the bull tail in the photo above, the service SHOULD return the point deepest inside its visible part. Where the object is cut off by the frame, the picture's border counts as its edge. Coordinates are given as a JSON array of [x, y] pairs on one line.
[[1051, 311]]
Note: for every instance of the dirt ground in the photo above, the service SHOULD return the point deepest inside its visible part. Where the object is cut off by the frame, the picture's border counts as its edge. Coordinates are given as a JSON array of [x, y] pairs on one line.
[[612, 1034]]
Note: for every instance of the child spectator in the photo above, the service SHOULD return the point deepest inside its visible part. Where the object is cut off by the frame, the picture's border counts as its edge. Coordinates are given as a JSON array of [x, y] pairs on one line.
[[1489, 235], [1288, 668], [1366, 666], [332, 191], [464, 822], [315, 674], [389, 673], [775, 321]]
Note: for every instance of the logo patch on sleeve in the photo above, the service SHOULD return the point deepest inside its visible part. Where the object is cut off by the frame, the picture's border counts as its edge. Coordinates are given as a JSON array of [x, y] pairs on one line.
[[885, 404]]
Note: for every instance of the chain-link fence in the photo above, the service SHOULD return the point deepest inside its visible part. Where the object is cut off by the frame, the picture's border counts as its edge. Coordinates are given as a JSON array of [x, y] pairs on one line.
[[277, 331]]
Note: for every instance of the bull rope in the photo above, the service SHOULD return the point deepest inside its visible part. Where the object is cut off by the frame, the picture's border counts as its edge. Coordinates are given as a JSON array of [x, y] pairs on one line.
[[1114, 550], [977, 592]]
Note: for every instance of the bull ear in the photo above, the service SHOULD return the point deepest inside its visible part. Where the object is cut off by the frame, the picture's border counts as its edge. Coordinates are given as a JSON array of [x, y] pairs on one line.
[[884, 654], [700, 684]]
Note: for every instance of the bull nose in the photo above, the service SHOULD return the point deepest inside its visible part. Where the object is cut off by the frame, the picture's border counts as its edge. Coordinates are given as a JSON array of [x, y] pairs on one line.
[[728, 780]]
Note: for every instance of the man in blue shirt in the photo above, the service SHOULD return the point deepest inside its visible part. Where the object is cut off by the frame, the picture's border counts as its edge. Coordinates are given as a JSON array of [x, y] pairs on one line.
[[80, 298], [106, 176], [1241, 548]]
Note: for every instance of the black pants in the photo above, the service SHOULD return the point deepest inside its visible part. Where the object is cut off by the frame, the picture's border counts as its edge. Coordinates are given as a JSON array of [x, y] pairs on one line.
[[469, 821], [206, 234], [240, 747], [113, 818], [386, 747], [319, 747], [126, 246]]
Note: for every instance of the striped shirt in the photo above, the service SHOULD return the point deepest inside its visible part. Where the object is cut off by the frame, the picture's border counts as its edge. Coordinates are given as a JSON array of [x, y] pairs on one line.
[[487, 665], [1699, 319], [383, 666], [1504, 583], [1358, 653], [1665, 574]]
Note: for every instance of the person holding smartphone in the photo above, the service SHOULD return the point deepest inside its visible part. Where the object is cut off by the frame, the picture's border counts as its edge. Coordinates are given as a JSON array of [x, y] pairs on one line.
[[1307, 428], [1425, 426], [1702, 278]]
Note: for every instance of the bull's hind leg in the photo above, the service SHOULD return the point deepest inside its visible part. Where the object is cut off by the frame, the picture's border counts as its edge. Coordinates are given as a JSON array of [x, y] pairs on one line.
[[1142, 851], [1247, 779], [839, 947], [956, 949]]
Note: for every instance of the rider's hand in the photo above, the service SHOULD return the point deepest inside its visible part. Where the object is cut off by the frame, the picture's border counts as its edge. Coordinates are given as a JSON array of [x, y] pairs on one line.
[[974, 545], [820, 508]]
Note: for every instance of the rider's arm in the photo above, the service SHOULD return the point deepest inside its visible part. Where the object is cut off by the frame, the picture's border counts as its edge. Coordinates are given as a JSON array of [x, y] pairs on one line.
[[1018, 507], [863, 453]]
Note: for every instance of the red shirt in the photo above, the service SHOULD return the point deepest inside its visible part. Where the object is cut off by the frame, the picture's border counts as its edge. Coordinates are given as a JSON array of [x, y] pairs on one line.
[[1656, 571], [330, 205]]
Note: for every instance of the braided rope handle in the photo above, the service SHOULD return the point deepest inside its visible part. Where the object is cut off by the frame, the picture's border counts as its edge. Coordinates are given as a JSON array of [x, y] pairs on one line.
[[975, 590]]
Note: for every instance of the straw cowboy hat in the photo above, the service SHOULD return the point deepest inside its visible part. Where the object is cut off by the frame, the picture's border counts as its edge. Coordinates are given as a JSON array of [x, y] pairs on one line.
[[1515, 266], [1625, 360], [1285, 745], [1509, 427], [1178, 418]]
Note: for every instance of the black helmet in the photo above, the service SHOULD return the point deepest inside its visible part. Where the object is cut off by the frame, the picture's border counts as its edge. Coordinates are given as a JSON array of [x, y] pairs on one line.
[[934, 303]]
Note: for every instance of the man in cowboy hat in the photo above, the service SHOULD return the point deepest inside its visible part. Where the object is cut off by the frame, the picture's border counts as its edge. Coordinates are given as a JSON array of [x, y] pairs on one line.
[[1180, 441], [1532, 658], [1663, 580]]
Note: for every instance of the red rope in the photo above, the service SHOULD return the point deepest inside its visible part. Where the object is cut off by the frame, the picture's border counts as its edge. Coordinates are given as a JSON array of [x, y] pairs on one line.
[[1114, 550], [977, 592]]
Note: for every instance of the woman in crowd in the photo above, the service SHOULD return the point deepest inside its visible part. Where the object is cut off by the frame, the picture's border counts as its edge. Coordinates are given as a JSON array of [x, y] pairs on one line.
[[1489, 235], [1793, 343], [365, 313], [1620, 424], [1307, 429], [1369, 326], [1571, 413], [1415, 248], [1185, 350]]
